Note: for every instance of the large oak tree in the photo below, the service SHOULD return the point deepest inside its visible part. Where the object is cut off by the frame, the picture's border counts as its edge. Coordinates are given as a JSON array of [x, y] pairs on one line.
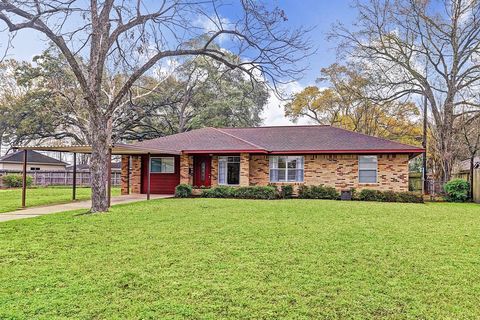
[[111, 37]]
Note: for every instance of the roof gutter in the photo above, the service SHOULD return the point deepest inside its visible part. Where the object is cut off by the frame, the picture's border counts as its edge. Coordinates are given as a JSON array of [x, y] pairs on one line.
[[359, 151]]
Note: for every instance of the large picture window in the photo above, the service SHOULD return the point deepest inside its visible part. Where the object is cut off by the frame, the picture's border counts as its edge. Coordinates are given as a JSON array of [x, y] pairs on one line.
[[162, 165], [229, 170], [286, 169], [367, 169]]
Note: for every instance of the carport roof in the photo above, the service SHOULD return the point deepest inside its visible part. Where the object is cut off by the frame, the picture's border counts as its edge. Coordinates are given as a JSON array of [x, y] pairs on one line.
[[117, 149]]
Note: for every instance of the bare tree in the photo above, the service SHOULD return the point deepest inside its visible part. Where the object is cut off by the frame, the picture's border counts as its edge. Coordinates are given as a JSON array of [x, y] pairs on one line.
[[421, 48], [131, 38]]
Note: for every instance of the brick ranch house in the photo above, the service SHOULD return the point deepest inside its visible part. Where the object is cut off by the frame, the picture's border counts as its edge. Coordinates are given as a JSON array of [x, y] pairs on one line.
[[309, 155]]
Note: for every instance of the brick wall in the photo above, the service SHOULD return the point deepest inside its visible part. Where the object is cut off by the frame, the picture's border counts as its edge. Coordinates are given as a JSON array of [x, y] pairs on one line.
[[125, 183], [244, 169], [136, 175], [214, 171], [259, 167], [186, 166], [339, 171]]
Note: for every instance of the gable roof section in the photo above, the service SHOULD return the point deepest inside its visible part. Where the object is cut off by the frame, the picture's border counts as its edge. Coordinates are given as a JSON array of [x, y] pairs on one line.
[[32, 157], [201, 141], [318, 139], [280, 139]]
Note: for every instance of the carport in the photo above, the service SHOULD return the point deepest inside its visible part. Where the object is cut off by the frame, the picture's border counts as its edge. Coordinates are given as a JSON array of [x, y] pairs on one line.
[[115, 149]]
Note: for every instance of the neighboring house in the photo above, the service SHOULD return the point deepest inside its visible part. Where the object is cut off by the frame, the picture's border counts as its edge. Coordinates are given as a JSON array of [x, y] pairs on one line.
[[462, 169], [298, 155], [35, 162], [116, 167]]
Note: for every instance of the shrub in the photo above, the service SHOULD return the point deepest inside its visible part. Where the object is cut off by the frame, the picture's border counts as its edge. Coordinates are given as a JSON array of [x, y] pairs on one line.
[[286, 191], [255, 192], [183, 191], [15, 180], [317, 192], [409, 197], [388, 196], [218, 192], [457, 190], [369, 195]]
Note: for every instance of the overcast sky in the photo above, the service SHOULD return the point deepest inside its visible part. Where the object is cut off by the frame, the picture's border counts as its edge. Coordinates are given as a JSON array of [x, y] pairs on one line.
[[320, 14]]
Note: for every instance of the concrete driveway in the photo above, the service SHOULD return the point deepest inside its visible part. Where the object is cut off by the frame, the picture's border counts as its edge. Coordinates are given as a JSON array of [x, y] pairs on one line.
[[40, 211]]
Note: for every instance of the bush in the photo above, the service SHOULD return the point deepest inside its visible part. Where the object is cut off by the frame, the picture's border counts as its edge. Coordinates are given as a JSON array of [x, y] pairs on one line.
[[218, 192], [255, 192], [389, 196], [318, 192], [183, 191], [286, 191], [457, 190], [369, 195], [409, 197], [15, 180]]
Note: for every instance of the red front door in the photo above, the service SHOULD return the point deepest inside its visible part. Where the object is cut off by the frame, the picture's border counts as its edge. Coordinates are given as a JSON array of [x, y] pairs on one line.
[[201, 171]]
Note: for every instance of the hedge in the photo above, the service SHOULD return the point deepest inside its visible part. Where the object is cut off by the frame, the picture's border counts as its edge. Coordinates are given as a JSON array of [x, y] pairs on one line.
[[15, 180], [389, 196], [318, 192], [286, 191], [254, 192]]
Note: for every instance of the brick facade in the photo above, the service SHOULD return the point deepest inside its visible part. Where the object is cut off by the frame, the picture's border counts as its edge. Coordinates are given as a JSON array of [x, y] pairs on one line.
[[214, 171], [339, 171], [336, 170], [125, 179], [136, 175], [186, 166], [244, 169]]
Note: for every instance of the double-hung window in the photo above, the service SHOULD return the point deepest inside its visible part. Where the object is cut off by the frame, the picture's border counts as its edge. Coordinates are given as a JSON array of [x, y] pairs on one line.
[[229, 170], [286, 169], [162, 165], [367, 169]]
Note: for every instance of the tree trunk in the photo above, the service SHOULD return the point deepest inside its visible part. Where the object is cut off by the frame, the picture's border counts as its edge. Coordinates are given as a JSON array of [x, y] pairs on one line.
[[446, 141], [100, 137]]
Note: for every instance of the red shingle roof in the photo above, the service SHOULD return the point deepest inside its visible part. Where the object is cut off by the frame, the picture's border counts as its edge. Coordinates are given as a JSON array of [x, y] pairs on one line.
[[281, 139]]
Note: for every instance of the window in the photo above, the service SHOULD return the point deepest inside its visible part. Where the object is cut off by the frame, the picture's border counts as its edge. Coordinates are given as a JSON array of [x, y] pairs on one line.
[[367, 169], [162, 165], [229, 170], [286, 169], [34, 169]]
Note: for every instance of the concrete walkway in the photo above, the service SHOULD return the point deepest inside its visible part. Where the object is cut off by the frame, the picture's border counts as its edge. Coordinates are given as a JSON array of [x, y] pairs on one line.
[[85, 204]]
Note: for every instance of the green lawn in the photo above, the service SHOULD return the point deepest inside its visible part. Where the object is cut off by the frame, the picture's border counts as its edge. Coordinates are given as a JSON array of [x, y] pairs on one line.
[[11, 199], [239, 259]]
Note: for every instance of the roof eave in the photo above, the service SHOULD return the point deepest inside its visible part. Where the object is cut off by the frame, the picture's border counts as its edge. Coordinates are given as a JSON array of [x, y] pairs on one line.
[[358, 151], [225, 151]]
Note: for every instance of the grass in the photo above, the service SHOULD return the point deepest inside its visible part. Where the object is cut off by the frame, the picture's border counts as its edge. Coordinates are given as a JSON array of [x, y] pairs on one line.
[[238, 259], [11, 199]]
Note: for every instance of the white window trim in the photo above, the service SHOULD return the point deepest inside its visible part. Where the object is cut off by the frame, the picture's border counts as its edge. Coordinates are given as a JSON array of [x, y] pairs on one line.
[[286, 169], [376, 171], [151, 158], [226, 174]]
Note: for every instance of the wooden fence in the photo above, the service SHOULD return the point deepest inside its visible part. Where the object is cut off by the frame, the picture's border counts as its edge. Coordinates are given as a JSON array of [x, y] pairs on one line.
[[476, 185], [61, 178]]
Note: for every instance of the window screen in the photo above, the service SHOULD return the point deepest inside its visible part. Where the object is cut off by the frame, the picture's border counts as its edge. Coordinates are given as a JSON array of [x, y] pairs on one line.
[[367, 169]]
